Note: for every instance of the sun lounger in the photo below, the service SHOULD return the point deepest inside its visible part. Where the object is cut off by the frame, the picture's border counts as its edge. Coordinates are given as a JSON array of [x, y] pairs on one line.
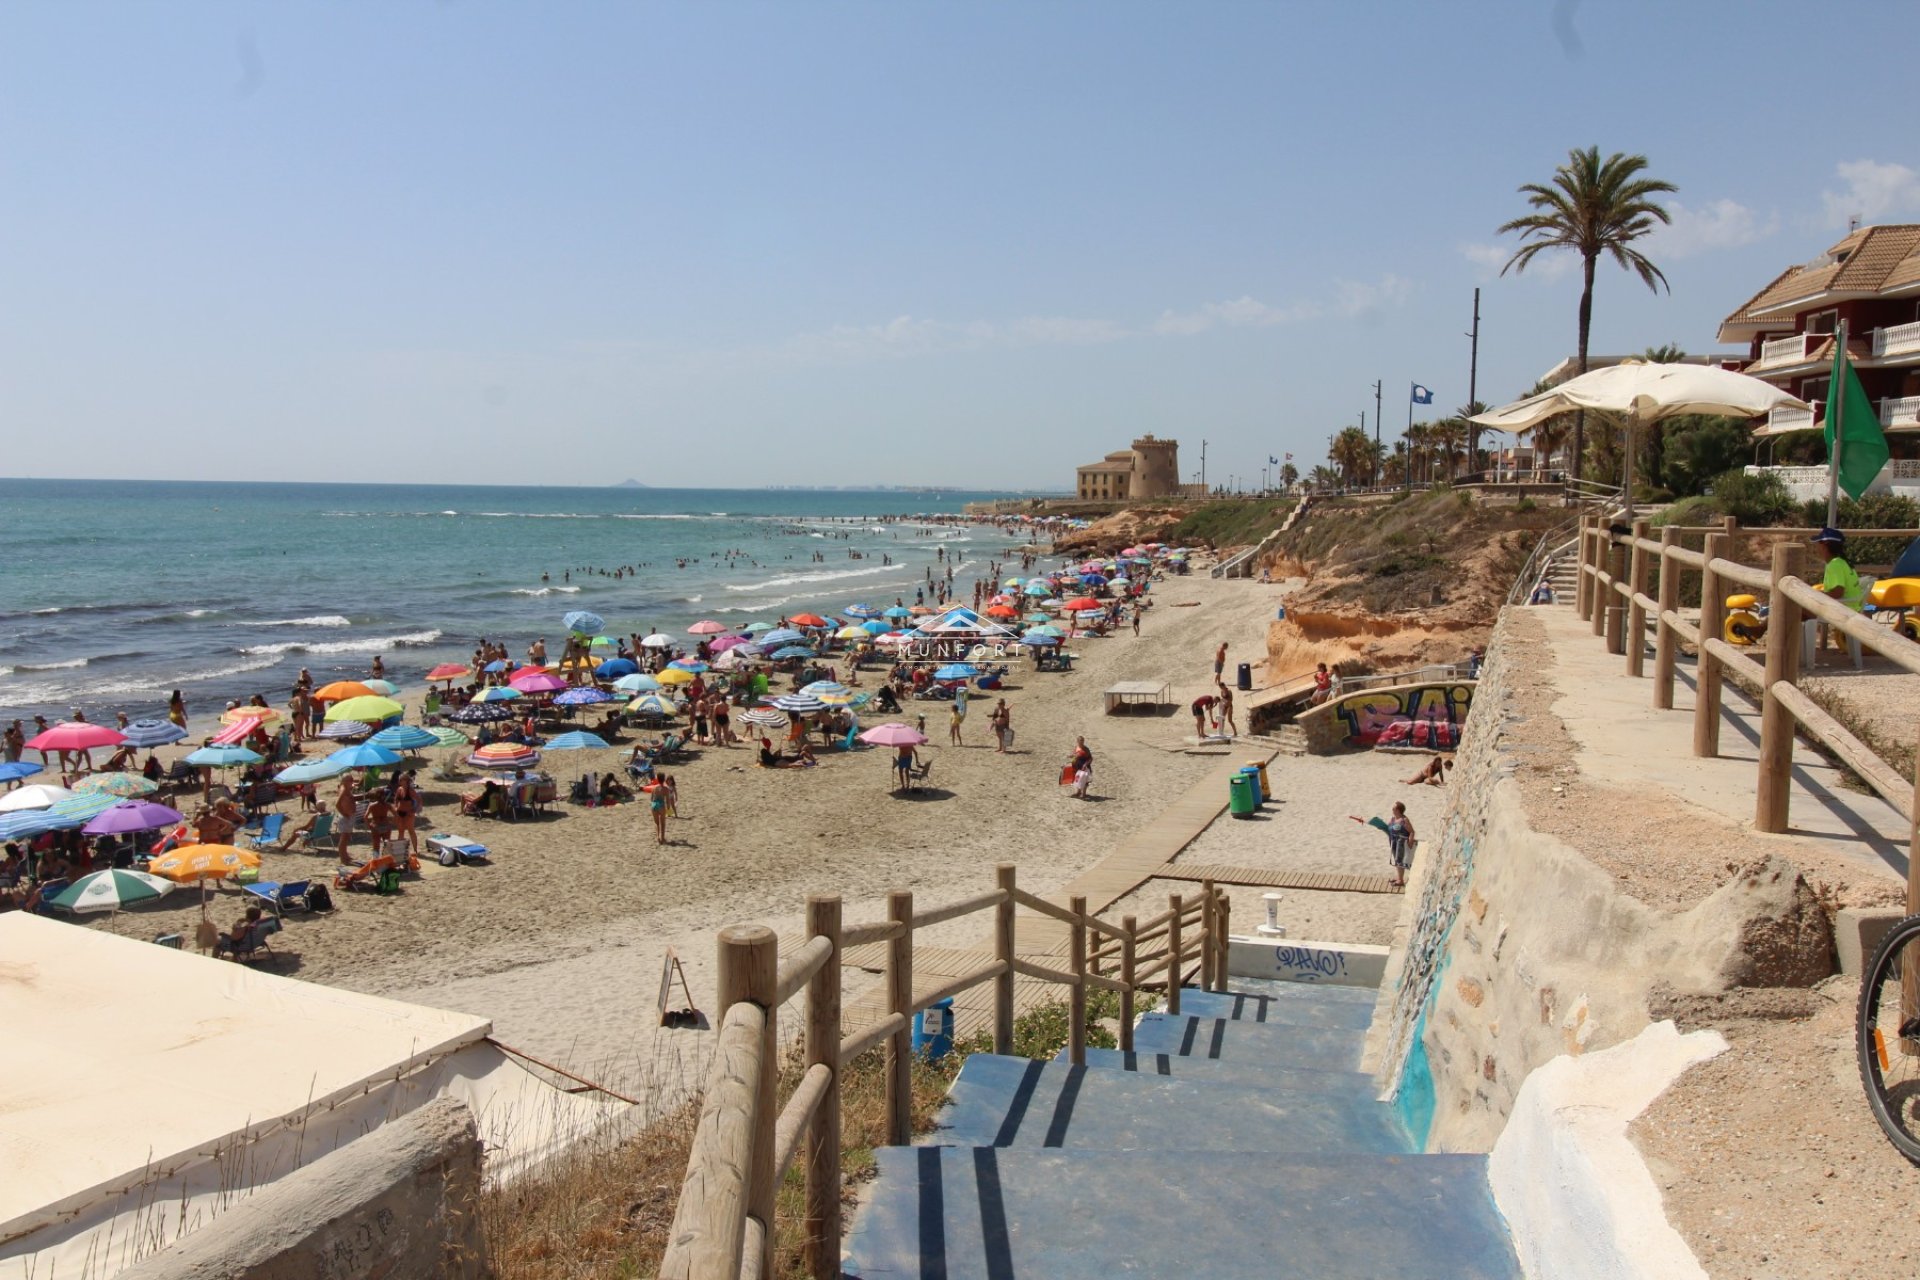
[[177, 941], [453, 850], [281, 896], [371, 874]]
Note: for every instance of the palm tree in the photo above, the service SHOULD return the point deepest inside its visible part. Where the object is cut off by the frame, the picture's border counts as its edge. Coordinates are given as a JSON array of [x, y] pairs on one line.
[[1352, 452], [1323, 478], [1592, 206], [1449, 439]]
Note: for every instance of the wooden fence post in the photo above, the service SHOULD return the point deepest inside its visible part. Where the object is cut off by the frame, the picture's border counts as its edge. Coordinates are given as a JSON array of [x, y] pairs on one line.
[[1003, 939], [1637, 612], [1222, 919], [822, 1243], [1131, 925], [749, 970], [1077, 995], [1706, 704], [1772, 793], [1616, 615], [1208, 901], [1665, 642], [1175, 907], [1730, 526], [1582, 585], [900, 1001]]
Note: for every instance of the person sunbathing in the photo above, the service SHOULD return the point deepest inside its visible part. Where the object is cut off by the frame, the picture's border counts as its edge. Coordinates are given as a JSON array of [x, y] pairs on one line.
[[1434, 774], [612, 790]]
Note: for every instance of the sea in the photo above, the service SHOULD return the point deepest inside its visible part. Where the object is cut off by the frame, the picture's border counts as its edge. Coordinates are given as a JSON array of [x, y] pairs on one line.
[[115, 593]]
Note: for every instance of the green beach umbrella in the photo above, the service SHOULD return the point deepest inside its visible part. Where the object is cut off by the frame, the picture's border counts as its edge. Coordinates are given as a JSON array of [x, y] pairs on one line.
[[111, 890], [124, 785], [372, 709]]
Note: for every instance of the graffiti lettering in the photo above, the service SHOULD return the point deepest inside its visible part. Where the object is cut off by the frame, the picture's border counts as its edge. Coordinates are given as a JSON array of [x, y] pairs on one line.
[[1431, 715], [1308, 964]]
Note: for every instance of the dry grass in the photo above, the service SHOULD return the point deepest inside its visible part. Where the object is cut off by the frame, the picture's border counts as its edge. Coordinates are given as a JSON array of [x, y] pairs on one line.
[[602, 1212]]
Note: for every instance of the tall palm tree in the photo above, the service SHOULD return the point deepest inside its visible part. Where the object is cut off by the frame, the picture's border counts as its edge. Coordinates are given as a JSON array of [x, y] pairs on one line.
[[1592, 206], [1352, 452]]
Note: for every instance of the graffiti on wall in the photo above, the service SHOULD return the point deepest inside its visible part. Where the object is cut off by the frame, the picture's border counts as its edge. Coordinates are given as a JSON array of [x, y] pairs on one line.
[[1428, 715]]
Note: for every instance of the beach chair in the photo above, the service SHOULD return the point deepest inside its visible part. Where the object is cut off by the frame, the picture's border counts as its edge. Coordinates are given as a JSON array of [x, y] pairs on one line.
[[370, 874], [252, 947], [268, 832], [180, 775], [320, 834], [919, 774], [281, 896], [177, 941], [48, 891], [453, 850]]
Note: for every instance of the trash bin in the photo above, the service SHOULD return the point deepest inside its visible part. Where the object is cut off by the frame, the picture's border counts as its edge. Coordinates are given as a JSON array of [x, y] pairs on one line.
[[1280, 614], [1253, 780], [1266, 787], [933, 1029], [1246, 677], [1240, 801]]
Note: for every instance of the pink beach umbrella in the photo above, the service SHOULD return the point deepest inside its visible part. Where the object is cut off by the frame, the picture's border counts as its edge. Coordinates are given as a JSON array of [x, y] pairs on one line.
[[725, 643], [76, 735], [894, 735], [538, 682], [706, 628]]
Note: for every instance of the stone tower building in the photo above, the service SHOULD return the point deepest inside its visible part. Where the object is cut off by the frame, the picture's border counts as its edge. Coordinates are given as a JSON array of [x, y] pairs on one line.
[[1157, 474]]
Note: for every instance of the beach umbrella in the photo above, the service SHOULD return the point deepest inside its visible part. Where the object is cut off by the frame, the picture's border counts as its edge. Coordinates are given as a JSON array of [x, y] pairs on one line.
[[1085, 604], [956, 671], [707, 627], [1040, 620], [504, 755], [75, 810], [831, 692], [111, 890], [202, 862], [311, 771], [875, 627], [850, 633], [239, 715], [14, 770], [40, 795], [653, 704], [537, 682], [449, 671], [689, 664], [498, 693], [76, 735], [404, 737], [1037, 588], [675, 676], [861, 611], [764, 717], [638, 682], [365, 755], [130, 815], [725, 643], [385, 688], [579, 740], [757, 628], [582, 697], [495, 667], [370, 707], [342, 729], [445, 737], [602, 642], [743, 656], [153, 733], [1039, 638], [26, 824], [894, 638], [341, 690], [657, 641], [792, 651], [808, 620], [799, 704], [1001, 611], [920, 610], [1011, 583], [122, 785], [779, 636], [582, 622], [614, 668], [893, 734], [238, 731]]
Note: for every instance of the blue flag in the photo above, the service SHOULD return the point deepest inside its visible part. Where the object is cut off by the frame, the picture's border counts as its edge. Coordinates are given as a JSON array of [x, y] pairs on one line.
[[1422, 395], [1272, 461]]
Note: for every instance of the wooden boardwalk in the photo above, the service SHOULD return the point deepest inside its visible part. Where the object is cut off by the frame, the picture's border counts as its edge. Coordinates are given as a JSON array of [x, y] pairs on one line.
[[1269, 878]]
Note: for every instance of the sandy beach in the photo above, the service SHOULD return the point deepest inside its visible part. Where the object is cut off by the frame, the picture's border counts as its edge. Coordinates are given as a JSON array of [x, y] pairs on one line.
[[560, 938]]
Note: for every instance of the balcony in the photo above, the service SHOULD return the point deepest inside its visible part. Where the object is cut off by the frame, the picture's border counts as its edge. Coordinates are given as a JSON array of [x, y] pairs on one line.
[[1788, 419], [1897, 340], [1782, 352], [1903, 412]]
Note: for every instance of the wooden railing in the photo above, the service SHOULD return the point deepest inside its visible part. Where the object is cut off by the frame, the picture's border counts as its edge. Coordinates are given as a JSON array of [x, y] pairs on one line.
[[745, 1141], [1615, 567]]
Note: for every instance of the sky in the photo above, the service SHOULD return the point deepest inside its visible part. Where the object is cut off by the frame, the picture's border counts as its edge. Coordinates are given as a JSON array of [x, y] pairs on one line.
[[739, 244]]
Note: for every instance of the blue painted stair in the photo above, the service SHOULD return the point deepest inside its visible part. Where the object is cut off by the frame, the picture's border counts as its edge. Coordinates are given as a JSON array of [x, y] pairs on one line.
[[1239, 1135]]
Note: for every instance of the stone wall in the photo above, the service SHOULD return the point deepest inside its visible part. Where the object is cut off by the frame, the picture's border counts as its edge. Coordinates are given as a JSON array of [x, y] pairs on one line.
[[398, 1202], [1515, 948]]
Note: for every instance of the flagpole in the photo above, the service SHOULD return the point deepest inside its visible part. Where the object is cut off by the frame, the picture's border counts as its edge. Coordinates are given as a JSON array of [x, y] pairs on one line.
[[1839, 406], [1407, 465]]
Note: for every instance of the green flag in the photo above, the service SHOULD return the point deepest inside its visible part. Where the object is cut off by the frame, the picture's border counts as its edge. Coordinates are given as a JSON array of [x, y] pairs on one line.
[[1863, 447]]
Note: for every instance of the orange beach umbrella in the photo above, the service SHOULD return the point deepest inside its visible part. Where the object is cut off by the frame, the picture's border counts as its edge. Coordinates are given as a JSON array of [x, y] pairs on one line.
[[340, 690]]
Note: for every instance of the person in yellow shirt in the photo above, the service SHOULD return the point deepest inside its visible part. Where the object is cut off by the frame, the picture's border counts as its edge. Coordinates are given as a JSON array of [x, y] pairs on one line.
[[1838, 578]]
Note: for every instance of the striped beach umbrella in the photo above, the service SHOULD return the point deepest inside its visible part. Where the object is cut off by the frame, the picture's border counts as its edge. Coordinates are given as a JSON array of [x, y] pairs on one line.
[[830, 692], [342, 729], [653, 704], [153, 733], [765, 718], [800, 704], [310, 771], [445, 737], [498, 693], [111, 890], [779, 636], [404, 737], [225, 757], [583, 622], [504, 755], [578, 740]]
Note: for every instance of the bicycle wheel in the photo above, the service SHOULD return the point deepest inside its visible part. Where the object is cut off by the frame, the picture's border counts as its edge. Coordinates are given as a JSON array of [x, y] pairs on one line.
[[1887, 1036]]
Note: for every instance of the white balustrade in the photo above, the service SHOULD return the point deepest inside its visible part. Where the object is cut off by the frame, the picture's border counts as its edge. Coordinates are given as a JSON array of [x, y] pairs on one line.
[[1787, 418], [1785, 350], [1898, 339], [1904, 411]]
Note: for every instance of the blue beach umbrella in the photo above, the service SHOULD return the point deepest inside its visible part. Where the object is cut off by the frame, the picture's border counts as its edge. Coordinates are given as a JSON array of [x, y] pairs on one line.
[[614, 668], [799, 703], [689, 664], [499, 693], [76, 810], [638, 682], [153, 733], [310, 771], [579, 740], [346, 729], [404, 737], [779, 636], [757, 628], [898, 611], [1037, 588], [14, 770], [875, 627], [861, 611], [791, 651], [225, 757], [957, 671], [582, 622], [496, 666], [26, 824], [582, 697], [365, 755], [1039, 638]]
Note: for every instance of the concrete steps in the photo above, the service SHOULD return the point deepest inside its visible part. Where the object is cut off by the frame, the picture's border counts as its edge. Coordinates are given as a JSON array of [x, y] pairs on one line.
[[1240, 1135]]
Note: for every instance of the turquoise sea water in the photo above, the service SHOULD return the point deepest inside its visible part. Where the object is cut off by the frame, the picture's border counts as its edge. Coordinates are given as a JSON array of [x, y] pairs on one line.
[[114, 593]]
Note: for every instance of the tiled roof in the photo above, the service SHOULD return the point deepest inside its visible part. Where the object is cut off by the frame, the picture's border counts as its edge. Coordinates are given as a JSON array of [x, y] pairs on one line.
[[1107, 466], [1866, 261]]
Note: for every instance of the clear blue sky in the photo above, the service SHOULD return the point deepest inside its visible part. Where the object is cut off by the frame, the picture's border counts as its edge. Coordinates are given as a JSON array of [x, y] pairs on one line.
[[741, 244]]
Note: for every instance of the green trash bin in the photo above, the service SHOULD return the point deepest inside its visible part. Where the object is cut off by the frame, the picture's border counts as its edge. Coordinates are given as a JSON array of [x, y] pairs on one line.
[[1240, 802]]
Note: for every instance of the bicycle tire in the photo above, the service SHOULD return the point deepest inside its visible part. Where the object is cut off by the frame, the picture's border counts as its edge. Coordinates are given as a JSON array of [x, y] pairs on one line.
[[1890, 1075]]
